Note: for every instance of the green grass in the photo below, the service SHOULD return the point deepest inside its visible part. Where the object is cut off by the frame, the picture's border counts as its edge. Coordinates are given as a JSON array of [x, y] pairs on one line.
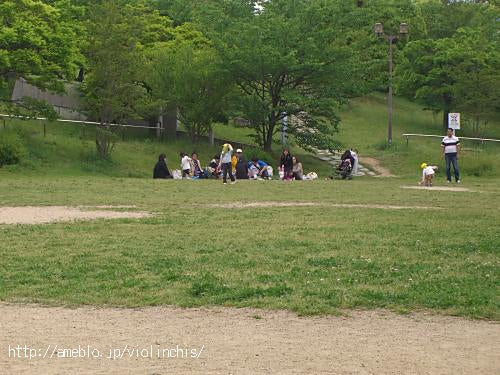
[[311, 260]]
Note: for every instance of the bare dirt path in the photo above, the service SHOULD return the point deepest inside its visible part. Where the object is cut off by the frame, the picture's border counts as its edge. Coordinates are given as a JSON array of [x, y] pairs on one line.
[[267, 204], [439, 188], [374, 164], [49, 214], [243, 341]]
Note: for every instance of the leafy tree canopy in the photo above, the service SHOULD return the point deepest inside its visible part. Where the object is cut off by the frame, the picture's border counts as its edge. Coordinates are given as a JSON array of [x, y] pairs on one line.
[[37, 44]]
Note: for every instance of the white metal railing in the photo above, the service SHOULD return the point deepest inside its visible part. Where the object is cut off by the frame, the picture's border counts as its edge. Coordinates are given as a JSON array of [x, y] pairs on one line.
[[79, 122], [442, 136]]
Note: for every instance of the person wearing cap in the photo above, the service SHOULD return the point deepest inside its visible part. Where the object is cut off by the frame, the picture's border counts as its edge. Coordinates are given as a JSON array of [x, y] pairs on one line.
[[450, 147], [258, 169], [428, 172], [225, 162], [241, 166]]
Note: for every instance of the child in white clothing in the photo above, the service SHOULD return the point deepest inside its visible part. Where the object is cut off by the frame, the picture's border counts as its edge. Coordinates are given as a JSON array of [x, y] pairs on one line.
[[428, 172]]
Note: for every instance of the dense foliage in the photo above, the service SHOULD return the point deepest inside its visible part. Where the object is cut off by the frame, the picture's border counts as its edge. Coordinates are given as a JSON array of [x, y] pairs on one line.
[[263, 61]]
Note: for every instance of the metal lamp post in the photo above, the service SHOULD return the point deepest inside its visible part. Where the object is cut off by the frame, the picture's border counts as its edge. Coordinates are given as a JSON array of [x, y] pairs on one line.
[[379, 32]]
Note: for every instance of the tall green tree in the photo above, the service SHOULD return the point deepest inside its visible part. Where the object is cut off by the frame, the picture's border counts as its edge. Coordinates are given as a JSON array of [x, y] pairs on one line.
[[118, 32], [439, 73], [444, 17], [187, 74], [476, 90], [285, 61], [36, 44], [301, 59]]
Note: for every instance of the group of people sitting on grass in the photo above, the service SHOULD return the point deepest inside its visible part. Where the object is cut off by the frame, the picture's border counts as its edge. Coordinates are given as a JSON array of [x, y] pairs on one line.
[[232, 165]]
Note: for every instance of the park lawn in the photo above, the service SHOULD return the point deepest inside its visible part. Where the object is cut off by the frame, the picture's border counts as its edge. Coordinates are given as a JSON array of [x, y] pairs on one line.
[[311, 260]]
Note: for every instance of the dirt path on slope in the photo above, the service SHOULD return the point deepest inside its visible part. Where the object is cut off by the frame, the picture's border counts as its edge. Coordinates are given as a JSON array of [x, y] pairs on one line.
[[374, 164], [241, 341]]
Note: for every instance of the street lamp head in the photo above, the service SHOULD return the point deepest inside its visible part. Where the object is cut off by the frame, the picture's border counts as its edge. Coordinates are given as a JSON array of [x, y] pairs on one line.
[[379, 29], [403, 29]]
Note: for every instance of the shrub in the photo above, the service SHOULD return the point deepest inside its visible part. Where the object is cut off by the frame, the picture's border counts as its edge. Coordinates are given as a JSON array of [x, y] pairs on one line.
[[11, 148]]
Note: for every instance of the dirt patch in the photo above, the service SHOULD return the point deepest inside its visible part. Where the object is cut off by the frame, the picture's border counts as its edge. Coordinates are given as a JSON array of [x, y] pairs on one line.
[[109, 206], [265, 204], [374, 164], [438, 188], [246, 341], [49, 214]]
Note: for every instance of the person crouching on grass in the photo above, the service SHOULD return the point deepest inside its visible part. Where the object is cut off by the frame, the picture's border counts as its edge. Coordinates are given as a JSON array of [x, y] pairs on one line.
[[225, 161], [428, 172]]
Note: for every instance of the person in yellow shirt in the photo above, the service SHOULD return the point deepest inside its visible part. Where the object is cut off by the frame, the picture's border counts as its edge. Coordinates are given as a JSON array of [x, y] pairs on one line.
[[234, 161]]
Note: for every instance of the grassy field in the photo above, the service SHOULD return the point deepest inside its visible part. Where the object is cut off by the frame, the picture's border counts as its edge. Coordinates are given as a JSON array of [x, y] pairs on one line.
[[311, 260]]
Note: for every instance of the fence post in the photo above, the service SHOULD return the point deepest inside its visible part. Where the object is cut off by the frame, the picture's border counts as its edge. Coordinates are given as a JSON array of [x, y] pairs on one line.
[[44, 129], [407, 140]]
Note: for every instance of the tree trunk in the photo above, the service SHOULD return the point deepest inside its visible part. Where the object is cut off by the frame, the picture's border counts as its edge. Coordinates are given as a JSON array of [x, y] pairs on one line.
[[446, 110], [105, 141], [268, 144], [268, 139], [445, 119], [170, 121]]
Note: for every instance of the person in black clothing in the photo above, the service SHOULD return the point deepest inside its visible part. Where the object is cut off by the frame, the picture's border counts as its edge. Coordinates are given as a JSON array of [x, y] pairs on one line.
[[241, 166], [286, 163], [161, 169], [347, 155]]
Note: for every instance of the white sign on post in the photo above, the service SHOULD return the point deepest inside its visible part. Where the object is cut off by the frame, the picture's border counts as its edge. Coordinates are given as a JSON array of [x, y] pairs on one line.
[[454, 121]]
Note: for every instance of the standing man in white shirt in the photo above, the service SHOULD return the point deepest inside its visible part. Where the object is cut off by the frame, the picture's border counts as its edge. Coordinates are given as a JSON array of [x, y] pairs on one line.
[[451, 150]]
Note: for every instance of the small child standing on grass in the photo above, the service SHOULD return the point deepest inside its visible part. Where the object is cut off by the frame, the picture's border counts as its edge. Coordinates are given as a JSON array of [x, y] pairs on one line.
[[428, 172], [185, 165]]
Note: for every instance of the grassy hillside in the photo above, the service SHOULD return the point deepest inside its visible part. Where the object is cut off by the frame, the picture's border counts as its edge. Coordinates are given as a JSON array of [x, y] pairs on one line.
[[364, 127], [69, 149]]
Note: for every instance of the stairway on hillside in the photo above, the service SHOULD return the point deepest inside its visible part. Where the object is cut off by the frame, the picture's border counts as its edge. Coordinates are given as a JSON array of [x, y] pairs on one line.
[[334, 160]]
